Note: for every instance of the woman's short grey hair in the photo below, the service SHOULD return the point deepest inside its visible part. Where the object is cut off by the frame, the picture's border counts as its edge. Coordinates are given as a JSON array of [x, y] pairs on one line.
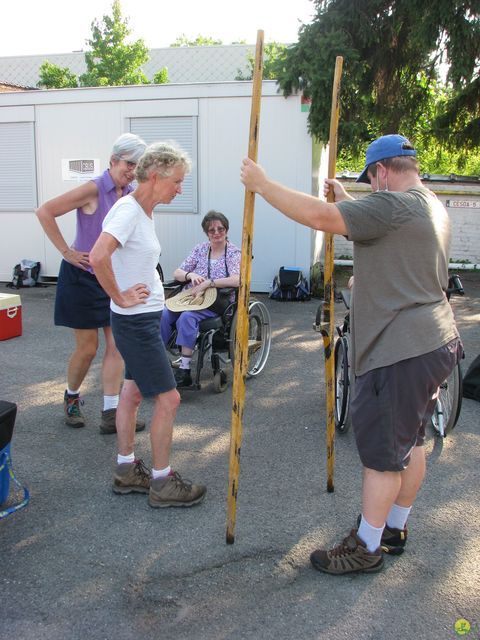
[[161, 157], [128, 147], [212, 216]]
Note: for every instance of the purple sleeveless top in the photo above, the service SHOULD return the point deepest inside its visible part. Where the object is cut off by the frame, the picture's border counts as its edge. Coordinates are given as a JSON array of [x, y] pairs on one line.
[[89, 226]]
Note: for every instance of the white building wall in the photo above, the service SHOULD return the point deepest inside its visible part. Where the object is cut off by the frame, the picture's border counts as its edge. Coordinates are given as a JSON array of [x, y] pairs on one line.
[[85, 122]]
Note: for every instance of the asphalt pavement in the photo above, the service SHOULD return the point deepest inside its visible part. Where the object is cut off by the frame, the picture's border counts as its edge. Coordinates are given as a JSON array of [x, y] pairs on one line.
[[80, 562]]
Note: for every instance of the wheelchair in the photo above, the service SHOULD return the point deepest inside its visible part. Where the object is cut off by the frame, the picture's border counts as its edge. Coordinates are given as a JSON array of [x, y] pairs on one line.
[[216, 341]]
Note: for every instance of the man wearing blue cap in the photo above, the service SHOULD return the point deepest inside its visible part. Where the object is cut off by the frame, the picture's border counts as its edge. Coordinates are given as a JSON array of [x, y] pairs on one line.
[[404, 335]]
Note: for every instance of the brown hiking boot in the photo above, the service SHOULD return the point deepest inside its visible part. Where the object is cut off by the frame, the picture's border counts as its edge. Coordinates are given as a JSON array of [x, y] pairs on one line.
[[351, 555], [131, 477], [108, 425], [71, 407], [173, 491], [393, 540]]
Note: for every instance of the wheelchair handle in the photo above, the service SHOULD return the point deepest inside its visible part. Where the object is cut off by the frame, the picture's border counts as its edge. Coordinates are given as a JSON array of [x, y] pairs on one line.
[[454, 286]]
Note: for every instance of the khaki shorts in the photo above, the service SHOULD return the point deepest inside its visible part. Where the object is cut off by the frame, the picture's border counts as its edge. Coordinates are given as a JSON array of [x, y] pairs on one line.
[[392, 406]]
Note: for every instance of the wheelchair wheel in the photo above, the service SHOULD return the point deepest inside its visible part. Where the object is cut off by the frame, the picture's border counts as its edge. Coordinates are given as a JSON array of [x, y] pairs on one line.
[[259, 337], [342, 385], [220, 381], [449, 403]]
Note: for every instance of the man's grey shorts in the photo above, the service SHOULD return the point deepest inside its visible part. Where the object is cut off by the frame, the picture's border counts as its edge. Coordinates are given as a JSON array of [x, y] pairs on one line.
[[146, 362], [392, 406]]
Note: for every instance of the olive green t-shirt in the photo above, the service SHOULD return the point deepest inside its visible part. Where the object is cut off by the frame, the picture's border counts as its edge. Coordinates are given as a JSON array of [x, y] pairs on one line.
[[401, 245]]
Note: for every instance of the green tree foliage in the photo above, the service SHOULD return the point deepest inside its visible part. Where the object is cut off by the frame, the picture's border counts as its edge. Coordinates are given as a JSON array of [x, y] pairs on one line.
[[54, 77], [161, 77], [112, 61], [200, 41], [393, 51], [273, 57]]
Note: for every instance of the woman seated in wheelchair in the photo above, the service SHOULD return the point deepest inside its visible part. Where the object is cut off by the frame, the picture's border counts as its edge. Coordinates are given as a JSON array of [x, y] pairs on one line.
[[212, 264]]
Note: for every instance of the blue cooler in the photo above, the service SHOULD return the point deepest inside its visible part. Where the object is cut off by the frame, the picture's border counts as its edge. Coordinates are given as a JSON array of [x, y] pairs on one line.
[[8, 413]]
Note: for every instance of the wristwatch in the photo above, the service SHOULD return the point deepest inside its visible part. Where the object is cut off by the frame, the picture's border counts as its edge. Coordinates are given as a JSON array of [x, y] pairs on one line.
[[212, 283]]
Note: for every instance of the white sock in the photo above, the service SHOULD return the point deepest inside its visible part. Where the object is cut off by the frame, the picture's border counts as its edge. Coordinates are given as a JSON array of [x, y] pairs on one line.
[[70, 392], [398, 516], [126, 459], [185, 364], [161, 473], [110, 402], [371, 536]]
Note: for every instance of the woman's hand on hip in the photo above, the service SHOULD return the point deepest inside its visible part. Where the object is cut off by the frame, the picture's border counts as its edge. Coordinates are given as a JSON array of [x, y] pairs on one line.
[[137, 294], [79, 259]]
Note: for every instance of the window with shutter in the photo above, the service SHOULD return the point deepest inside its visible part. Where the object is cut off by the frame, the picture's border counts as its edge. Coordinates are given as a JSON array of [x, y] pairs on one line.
[[181, 130], [18, 185]]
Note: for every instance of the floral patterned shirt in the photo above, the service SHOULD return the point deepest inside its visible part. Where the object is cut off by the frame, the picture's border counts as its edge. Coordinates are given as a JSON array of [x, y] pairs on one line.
[[197, 261]]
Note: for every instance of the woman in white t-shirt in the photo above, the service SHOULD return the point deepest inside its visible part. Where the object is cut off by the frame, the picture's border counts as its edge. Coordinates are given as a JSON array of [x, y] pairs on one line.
[[124, 259]]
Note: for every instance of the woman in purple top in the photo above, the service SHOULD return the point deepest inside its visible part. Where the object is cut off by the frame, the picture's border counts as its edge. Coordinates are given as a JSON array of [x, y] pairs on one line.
[[215, 263], [80, 302]]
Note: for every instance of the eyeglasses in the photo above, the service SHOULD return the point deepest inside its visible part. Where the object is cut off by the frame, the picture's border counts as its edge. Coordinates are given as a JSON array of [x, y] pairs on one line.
[[130, 165], [213, 230]]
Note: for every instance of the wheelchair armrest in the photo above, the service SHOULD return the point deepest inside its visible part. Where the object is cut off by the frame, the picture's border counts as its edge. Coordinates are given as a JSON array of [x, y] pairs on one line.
[[172, 283], [172, 287]]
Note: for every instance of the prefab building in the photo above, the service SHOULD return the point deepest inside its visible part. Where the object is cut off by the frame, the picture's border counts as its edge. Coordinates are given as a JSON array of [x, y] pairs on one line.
[[52, 140]]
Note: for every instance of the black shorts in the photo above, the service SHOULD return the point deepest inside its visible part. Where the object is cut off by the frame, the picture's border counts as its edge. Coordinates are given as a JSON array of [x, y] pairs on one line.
[[393, 405], [146, 362], [80, 301]]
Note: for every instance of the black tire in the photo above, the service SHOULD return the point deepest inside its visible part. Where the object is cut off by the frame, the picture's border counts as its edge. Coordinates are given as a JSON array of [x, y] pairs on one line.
[[342, 385], [259, 337], [449, 403]]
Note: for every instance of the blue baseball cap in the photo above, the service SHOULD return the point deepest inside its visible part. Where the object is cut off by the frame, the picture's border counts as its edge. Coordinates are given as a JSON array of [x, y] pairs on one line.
[[389, 146]]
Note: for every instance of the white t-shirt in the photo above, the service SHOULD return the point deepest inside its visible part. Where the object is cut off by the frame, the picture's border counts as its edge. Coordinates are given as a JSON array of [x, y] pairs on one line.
[[136, 258]]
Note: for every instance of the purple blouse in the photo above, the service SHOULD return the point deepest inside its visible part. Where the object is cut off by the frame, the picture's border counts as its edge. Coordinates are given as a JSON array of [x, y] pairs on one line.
[[89, 226], [198, 261]]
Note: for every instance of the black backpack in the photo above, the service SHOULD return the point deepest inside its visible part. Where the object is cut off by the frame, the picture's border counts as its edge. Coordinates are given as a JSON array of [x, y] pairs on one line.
[[290, 285], [25, 274]]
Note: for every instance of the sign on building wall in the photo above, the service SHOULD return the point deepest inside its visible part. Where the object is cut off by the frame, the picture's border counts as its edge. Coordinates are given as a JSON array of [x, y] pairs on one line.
[[463, 204], [80, 169]]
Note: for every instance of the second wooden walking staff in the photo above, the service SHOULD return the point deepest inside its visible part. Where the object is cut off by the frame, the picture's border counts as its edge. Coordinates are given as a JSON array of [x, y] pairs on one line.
[[328, 326], [241, 334]]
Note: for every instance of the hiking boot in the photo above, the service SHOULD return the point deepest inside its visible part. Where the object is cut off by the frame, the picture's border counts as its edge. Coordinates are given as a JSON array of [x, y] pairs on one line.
[[108, 425], [71, 407], [173, 491], [131, 477], [393, 540], [183, 378], [351, 555]]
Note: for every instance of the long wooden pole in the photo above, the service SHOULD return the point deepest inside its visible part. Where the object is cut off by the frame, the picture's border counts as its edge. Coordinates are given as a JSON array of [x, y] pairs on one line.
[[328, 321], [241, 336]]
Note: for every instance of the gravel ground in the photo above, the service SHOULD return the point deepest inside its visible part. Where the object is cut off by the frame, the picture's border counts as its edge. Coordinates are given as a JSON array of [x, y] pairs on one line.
[[80, 562]]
